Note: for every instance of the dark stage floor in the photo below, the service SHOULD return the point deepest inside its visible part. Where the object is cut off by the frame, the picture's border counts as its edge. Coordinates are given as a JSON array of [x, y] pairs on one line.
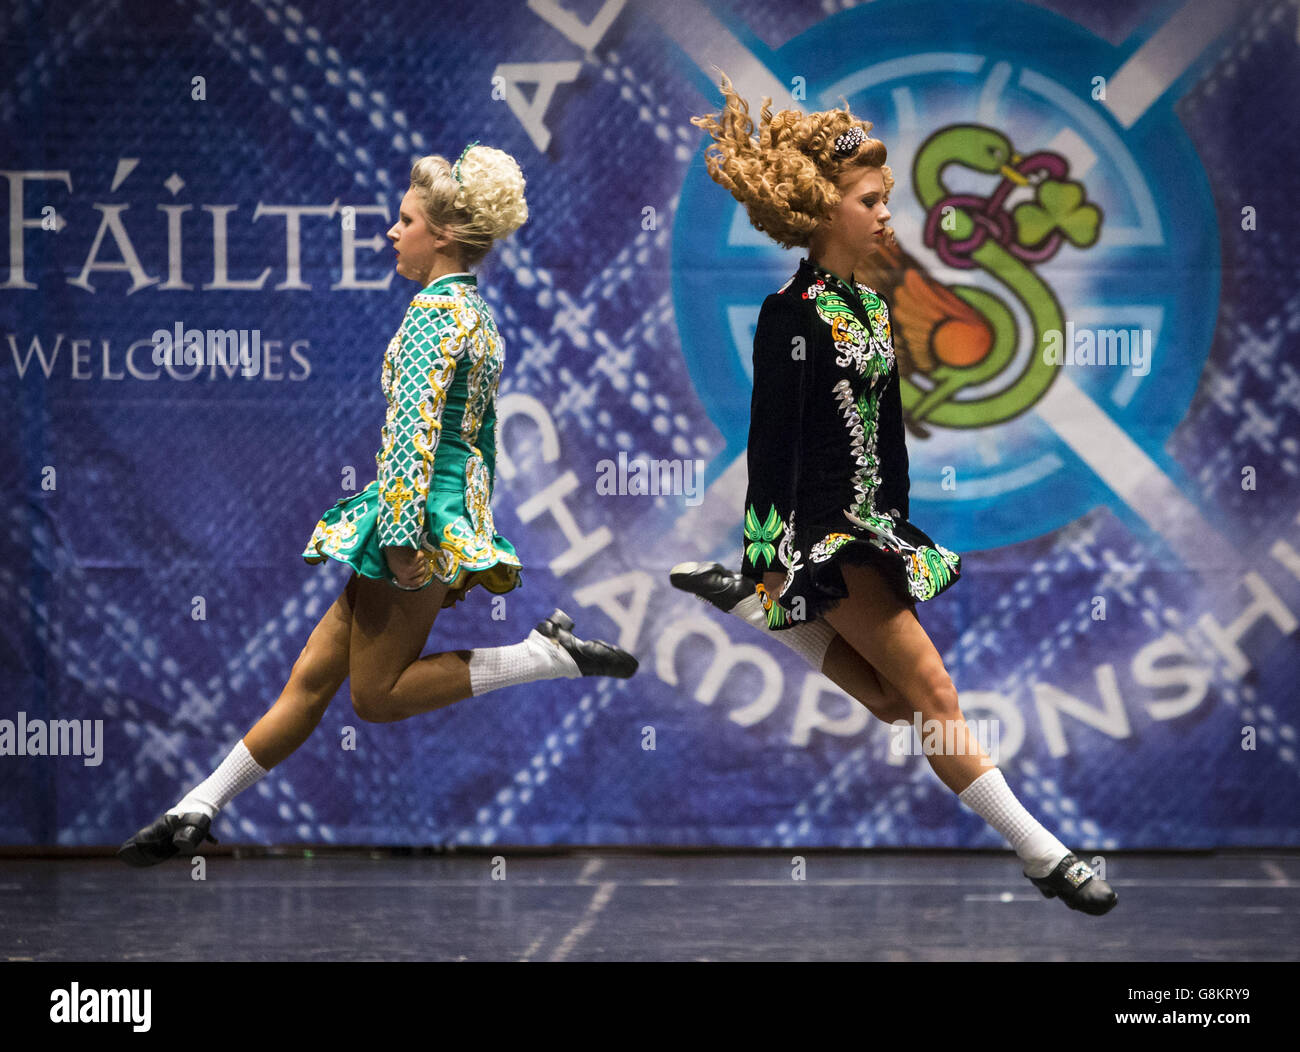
[[625, 907]]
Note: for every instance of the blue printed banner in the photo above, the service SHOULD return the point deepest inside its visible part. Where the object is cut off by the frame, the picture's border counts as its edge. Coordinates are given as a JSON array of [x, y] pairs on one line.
[[1094, 301]]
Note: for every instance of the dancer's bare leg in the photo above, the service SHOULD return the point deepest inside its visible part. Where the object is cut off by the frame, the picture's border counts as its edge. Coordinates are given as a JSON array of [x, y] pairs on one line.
[[852, 673], [373, 633], [385, 625], [390, 680], [316, 677], [873, 647], [887, 634]]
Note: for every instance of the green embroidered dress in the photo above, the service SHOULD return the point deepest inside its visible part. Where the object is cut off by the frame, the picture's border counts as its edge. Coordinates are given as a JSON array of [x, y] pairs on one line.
[[827, 455], [437, 460]]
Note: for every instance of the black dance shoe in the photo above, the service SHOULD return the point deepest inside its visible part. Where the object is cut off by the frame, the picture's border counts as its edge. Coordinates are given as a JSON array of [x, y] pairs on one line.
[[712, 582], [164, 838], [595, 657], [1078, 886]]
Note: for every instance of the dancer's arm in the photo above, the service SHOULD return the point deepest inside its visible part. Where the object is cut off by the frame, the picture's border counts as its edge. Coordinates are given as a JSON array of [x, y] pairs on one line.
[[891, 441], [432, 343], [782, 358]]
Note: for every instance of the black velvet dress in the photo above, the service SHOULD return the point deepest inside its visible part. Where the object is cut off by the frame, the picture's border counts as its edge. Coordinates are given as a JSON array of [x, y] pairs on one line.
[[827, 456]]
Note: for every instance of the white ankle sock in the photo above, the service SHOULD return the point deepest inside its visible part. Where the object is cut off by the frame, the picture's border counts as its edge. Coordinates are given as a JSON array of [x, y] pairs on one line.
[[809, 639], [237, 772], [537, 657], [991, 798]]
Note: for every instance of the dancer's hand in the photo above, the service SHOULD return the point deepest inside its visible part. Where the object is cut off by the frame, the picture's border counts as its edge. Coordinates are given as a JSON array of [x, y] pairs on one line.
[[409, 566]]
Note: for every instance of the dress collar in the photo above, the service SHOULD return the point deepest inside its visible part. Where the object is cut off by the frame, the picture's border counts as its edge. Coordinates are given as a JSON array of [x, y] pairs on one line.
[[464, 276], [814, 272], [810, 273]]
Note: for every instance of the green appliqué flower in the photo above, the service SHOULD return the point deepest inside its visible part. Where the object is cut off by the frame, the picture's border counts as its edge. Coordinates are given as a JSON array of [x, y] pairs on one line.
[[762, 536]]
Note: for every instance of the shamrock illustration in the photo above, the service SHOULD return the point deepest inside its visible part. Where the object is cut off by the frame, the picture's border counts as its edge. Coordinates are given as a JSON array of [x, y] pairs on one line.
[[1057, 206]]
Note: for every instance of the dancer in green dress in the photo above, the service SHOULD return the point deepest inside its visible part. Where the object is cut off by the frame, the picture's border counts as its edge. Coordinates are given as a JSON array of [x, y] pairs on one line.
[[435, 465], [421, 535]]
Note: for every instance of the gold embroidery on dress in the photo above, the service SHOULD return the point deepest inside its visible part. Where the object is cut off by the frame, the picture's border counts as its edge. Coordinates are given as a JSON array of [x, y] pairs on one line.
[[453, 331]]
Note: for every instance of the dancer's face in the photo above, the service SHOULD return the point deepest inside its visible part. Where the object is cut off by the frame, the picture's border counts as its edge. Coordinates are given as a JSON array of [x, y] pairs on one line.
[[416, 245], [856, 225]]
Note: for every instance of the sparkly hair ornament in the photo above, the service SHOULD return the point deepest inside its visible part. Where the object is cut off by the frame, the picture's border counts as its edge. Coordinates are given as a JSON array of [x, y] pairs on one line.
[[455, 169], [847, 143]]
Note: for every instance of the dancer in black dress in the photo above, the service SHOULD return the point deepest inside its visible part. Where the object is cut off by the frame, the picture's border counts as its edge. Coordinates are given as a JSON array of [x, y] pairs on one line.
[[831, 565], [422, 534]]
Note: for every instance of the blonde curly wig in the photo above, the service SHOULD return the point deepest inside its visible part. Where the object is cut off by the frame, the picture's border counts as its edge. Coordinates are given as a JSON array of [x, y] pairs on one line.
[[485, 206], [787, 179]]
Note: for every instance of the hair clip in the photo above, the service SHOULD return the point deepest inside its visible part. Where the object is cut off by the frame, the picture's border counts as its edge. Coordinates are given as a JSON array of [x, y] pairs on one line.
[[455, 168], [849, 141]]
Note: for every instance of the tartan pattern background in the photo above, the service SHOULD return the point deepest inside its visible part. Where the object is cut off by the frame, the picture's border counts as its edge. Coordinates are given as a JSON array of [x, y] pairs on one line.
[[173, 495]]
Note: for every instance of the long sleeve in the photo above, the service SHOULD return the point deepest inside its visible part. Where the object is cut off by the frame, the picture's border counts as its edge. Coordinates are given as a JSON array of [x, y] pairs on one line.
[[424, 362], [891, 449], [891, 437], [782, 361]]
